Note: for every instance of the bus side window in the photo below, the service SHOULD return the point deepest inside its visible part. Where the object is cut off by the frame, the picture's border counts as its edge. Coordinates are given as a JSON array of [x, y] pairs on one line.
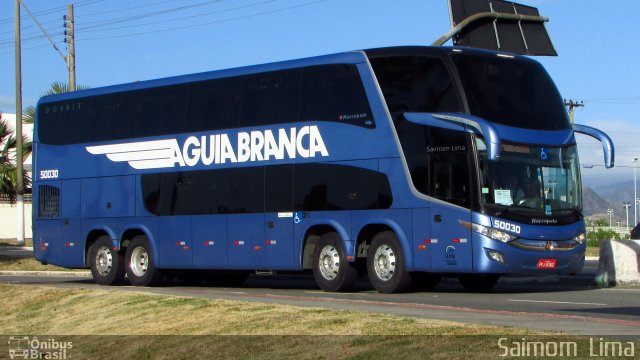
[[270, 98], [214, 104], [449, 168]]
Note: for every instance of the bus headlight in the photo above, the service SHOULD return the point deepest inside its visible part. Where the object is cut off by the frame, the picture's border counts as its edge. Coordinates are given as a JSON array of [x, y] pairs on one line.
[[580, 238], [489, 232]]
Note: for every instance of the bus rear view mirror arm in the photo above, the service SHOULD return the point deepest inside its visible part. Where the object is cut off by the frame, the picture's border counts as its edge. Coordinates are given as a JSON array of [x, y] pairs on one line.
[[477, 126], [607, 144]]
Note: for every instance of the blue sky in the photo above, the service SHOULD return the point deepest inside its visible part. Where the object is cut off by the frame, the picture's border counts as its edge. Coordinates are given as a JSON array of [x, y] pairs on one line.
[[597, 47]]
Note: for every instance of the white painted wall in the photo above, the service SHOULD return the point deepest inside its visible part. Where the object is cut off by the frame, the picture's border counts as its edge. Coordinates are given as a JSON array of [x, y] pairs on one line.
[[9, 221]]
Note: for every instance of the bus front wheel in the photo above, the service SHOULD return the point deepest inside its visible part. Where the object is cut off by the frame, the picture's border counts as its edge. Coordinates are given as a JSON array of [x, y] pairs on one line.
[[331, 269], [107, 264], [385, 264], [141, 270]]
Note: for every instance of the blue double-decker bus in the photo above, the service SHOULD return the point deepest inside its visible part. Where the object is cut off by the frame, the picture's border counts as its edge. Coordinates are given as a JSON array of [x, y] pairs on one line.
[[409, 162]]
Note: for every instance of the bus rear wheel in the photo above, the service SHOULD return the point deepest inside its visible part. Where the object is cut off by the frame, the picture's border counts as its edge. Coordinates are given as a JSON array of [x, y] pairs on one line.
[[385, 264], [478, 282], [107, 264], [331, 269], [141, 270]]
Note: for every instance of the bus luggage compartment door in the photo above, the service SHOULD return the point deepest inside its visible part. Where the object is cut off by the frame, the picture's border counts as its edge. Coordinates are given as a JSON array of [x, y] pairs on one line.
[[450, 241], [246, 241]]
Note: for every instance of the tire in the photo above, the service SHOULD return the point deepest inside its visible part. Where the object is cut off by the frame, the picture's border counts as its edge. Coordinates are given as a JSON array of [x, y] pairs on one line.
[[424, 281], [331, 269], [107, 265], [385, 264], [478, 282], [140, 264]]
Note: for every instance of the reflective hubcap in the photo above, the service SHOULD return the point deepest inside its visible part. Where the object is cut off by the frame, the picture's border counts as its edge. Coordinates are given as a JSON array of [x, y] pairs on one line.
[[104, 261], [329, 262], [384, 262], [139, 261]]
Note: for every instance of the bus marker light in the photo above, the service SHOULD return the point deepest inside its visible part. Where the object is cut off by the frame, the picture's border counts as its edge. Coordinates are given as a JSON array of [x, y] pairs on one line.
[[185, 248], [422, 247], [69, 244], [270, 242], [208, 243], [256, 248], [349, 258], [238, 242], [43, 249], [181, 243], [430, 241]]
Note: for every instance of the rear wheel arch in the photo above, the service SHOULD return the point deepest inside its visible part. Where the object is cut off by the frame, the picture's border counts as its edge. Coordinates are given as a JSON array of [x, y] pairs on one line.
[[311, 238]]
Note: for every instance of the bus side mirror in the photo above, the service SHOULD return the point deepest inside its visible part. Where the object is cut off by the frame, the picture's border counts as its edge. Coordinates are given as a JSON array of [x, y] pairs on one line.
[[607, 144]]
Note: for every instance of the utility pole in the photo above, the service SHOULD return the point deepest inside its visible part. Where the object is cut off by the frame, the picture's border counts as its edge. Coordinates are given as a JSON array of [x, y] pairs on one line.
[[71, 52], [19, 178], [571, 104]]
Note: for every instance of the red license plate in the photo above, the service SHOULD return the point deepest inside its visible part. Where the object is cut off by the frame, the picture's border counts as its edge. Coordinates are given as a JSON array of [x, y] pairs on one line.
[[546, 263]]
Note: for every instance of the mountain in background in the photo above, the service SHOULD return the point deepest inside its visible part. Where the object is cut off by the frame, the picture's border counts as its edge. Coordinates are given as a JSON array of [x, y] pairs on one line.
[[597, 201]]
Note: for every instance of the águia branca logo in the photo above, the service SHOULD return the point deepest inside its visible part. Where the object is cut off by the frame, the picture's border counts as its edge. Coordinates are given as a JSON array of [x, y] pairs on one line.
[[247, 146]]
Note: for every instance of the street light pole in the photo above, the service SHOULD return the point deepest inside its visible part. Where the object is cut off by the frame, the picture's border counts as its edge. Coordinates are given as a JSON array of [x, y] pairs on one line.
[[610, 212], [626, 205]]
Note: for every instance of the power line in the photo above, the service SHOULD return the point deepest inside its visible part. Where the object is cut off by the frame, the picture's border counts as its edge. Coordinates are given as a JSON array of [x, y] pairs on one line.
[[183, 18], [203, 24]]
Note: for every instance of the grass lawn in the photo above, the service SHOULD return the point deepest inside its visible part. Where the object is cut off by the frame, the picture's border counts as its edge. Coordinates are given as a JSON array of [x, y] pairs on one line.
[[276, 331]]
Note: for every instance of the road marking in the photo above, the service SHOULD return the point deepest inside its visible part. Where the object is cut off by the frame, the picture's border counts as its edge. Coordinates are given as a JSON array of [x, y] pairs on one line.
[[556, 302]]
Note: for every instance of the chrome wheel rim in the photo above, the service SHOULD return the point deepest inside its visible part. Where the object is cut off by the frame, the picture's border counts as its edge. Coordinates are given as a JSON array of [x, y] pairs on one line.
[[139, 261], [104, 261], [329, 262], [384, 262]]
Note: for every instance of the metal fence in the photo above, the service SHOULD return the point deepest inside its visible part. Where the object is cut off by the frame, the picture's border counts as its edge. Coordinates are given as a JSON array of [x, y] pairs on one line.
[[6, 199]]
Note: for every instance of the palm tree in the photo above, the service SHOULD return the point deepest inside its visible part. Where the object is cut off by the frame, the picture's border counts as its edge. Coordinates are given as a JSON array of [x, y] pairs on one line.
[[8, 173]]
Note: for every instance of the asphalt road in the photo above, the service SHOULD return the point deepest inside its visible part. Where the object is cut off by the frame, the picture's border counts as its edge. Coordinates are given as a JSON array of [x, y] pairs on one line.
[[570, 304]]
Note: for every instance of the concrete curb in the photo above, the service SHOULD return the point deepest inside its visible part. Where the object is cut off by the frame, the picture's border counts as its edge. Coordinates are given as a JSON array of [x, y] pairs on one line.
[[84, 274]]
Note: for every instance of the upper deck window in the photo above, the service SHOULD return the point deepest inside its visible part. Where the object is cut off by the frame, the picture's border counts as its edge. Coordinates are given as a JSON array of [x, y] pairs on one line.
[[511, 91], [332, 92], [416, 84]]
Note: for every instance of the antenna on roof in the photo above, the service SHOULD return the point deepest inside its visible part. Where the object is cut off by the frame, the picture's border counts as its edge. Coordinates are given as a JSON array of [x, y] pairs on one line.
[[498, 25]]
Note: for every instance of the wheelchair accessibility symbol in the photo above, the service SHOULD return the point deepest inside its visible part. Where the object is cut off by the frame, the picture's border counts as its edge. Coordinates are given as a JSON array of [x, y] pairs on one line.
[[543, 155], [297, 218]]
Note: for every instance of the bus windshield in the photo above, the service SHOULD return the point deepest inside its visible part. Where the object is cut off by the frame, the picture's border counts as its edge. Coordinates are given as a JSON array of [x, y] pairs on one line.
[[511, 91], [532, 181]]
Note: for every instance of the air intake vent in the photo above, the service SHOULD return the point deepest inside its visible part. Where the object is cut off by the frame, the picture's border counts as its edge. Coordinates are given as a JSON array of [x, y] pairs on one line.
[[48, 202]]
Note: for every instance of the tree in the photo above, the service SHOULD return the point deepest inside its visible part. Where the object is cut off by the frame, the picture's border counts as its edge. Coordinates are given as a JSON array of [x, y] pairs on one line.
[[8, 171]]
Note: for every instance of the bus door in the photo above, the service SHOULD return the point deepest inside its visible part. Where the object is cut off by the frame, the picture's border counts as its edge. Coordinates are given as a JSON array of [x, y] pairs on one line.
[[450, 189]]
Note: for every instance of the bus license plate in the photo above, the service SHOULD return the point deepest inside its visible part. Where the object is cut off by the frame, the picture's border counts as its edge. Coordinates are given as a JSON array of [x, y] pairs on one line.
[[546, 263]]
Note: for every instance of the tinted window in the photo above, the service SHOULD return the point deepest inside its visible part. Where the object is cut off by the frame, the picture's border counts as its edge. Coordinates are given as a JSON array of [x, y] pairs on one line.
[[511, 91], [318, 93], [160, 111], [437, 160], [416, 84], [228, 191], [280, 188], [65, 122], [334, 187], [270, 98], [335, 93], [215, 104]]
